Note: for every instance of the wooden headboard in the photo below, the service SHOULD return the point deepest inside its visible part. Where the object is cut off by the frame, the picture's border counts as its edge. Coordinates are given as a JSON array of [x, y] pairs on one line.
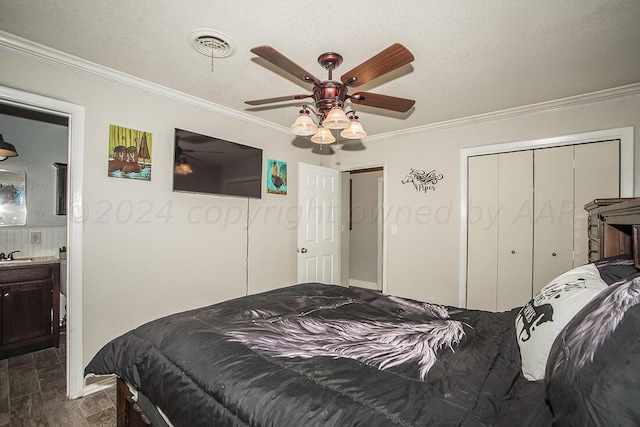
[[614, 229]]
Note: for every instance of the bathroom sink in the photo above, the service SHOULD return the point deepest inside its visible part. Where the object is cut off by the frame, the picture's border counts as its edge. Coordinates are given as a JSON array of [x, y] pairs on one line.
[[16, 261]]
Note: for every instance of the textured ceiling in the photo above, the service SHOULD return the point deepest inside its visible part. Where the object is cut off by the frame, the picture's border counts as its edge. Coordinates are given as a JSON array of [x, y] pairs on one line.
[[472, 57]]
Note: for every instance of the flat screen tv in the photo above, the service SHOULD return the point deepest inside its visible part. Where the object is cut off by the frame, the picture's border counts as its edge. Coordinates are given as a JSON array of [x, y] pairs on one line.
[[205, 164]]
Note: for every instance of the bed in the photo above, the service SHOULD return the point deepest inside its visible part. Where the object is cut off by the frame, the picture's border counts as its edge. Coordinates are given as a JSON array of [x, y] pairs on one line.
[[323, 355]]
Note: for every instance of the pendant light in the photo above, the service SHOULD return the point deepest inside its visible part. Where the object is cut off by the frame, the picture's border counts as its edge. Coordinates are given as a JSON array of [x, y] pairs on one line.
[[304, 125], [323, 136], [355, 130], [6, 149], [336, 119]]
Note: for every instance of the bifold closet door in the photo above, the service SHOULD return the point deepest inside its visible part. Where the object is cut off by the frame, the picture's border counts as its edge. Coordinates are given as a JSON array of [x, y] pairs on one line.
[[482, 232], [597, 176], [500, 230], [526, 221], [515, 225], [554, 211]]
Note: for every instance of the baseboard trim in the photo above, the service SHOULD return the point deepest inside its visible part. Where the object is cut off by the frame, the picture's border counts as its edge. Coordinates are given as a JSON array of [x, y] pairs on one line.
[[98, 383], [364, 284]]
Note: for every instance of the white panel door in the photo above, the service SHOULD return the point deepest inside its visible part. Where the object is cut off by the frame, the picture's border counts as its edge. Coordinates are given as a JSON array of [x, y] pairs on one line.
[[597, 176], [482, 232], [554, 211], [515, 225], [318, 225]]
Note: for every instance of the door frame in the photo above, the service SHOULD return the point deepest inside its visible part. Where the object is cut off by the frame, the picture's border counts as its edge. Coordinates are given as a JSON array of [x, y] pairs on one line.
[[624, 134], [76, 115], [384, 164]]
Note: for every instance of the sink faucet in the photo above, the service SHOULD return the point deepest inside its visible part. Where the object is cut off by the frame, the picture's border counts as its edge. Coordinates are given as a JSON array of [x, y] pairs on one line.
[[8, 257]]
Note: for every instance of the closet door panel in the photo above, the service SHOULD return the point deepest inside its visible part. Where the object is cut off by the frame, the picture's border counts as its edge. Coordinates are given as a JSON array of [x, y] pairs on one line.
[[515, 225], [482, 228], [554, 211], [597, 175]]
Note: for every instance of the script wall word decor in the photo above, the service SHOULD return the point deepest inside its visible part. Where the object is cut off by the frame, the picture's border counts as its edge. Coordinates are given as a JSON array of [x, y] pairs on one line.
[[129, 153], [423, 181]]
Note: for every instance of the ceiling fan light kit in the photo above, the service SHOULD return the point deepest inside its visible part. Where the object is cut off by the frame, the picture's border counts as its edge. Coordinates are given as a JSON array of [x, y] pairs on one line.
[[330, 96]]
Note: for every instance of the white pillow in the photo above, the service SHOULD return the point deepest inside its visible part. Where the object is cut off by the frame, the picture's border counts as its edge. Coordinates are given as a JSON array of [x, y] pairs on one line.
[[542, 318]]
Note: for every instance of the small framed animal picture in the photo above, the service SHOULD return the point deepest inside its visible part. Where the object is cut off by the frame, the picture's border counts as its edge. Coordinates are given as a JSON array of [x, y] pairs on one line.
[[129, 153], [276, 177]]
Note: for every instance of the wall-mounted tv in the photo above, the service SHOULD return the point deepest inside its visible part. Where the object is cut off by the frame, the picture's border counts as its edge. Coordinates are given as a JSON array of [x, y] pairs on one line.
[[205, 164]]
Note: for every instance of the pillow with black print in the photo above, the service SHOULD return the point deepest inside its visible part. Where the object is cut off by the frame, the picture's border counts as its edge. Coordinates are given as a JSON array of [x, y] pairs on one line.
[[541, 319], [593, 372]]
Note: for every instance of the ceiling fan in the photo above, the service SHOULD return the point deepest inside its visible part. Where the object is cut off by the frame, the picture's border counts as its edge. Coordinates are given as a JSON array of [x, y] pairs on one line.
[[329, 96]]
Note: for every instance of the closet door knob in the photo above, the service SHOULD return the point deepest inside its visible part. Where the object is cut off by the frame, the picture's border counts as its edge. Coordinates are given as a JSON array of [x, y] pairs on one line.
[[513, 252], [553, 254]]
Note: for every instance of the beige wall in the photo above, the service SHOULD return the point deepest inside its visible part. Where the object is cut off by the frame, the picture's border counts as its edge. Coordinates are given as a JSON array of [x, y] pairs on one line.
[[191, 250], [423, 257], [148, 251]]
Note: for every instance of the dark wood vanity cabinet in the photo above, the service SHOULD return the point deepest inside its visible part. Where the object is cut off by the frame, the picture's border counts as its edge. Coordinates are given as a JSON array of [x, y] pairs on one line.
[[29, 308]]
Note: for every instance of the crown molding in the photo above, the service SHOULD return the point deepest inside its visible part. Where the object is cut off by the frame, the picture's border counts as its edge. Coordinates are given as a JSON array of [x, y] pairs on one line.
[[591, 98], [46, 54], [55, 57]]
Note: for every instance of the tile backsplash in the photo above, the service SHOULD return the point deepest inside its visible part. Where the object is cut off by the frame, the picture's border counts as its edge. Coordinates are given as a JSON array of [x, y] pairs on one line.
[[50, 240]]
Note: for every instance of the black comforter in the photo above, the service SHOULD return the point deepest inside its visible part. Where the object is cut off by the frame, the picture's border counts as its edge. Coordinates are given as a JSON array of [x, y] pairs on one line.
[[322, 355]]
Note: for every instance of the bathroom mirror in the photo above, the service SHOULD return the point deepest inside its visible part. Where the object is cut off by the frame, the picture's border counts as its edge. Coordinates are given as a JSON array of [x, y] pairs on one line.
[[13, 198]]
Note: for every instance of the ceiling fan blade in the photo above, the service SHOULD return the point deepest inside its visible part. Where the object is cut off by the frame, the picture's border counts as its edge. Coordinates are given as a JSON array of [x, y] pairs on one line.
[[382, 101], [276, 58], [277, 99], [393, 57]]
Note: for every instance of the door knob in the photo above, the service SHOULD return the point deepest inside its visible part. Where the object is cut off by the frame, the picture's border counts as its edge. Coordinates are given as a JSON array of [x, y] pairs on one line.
[[553, 254], [303, 250], [513, 252]]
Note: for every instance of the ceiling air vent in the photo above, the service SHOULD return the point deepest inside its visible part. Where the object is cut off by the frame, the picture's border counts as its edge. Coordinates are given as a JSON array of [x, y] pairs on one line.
[[212, 44]]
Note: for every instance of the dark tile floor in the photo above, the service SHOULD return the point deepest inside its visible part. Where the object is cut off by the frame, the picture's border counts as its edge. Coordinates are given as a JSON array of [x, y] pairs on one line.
[[33, 393]]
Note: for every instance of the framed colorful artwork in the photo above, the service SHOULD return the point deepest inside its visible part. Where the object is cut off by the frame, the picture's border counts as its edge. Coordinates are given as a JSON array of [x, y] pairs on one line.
[[129, 153], [276, 177]]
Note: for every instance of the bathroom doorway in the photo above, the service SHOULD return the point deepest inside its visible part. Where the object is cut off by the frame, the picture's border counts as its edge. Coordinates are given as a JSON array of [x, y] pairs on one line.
[[43, 110], [363, 227]]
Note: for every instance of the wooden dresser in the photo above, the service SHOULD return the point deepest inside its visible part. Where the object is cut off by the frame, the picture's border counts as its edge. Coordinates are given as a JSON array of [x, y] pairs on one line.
[[612, 224]]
